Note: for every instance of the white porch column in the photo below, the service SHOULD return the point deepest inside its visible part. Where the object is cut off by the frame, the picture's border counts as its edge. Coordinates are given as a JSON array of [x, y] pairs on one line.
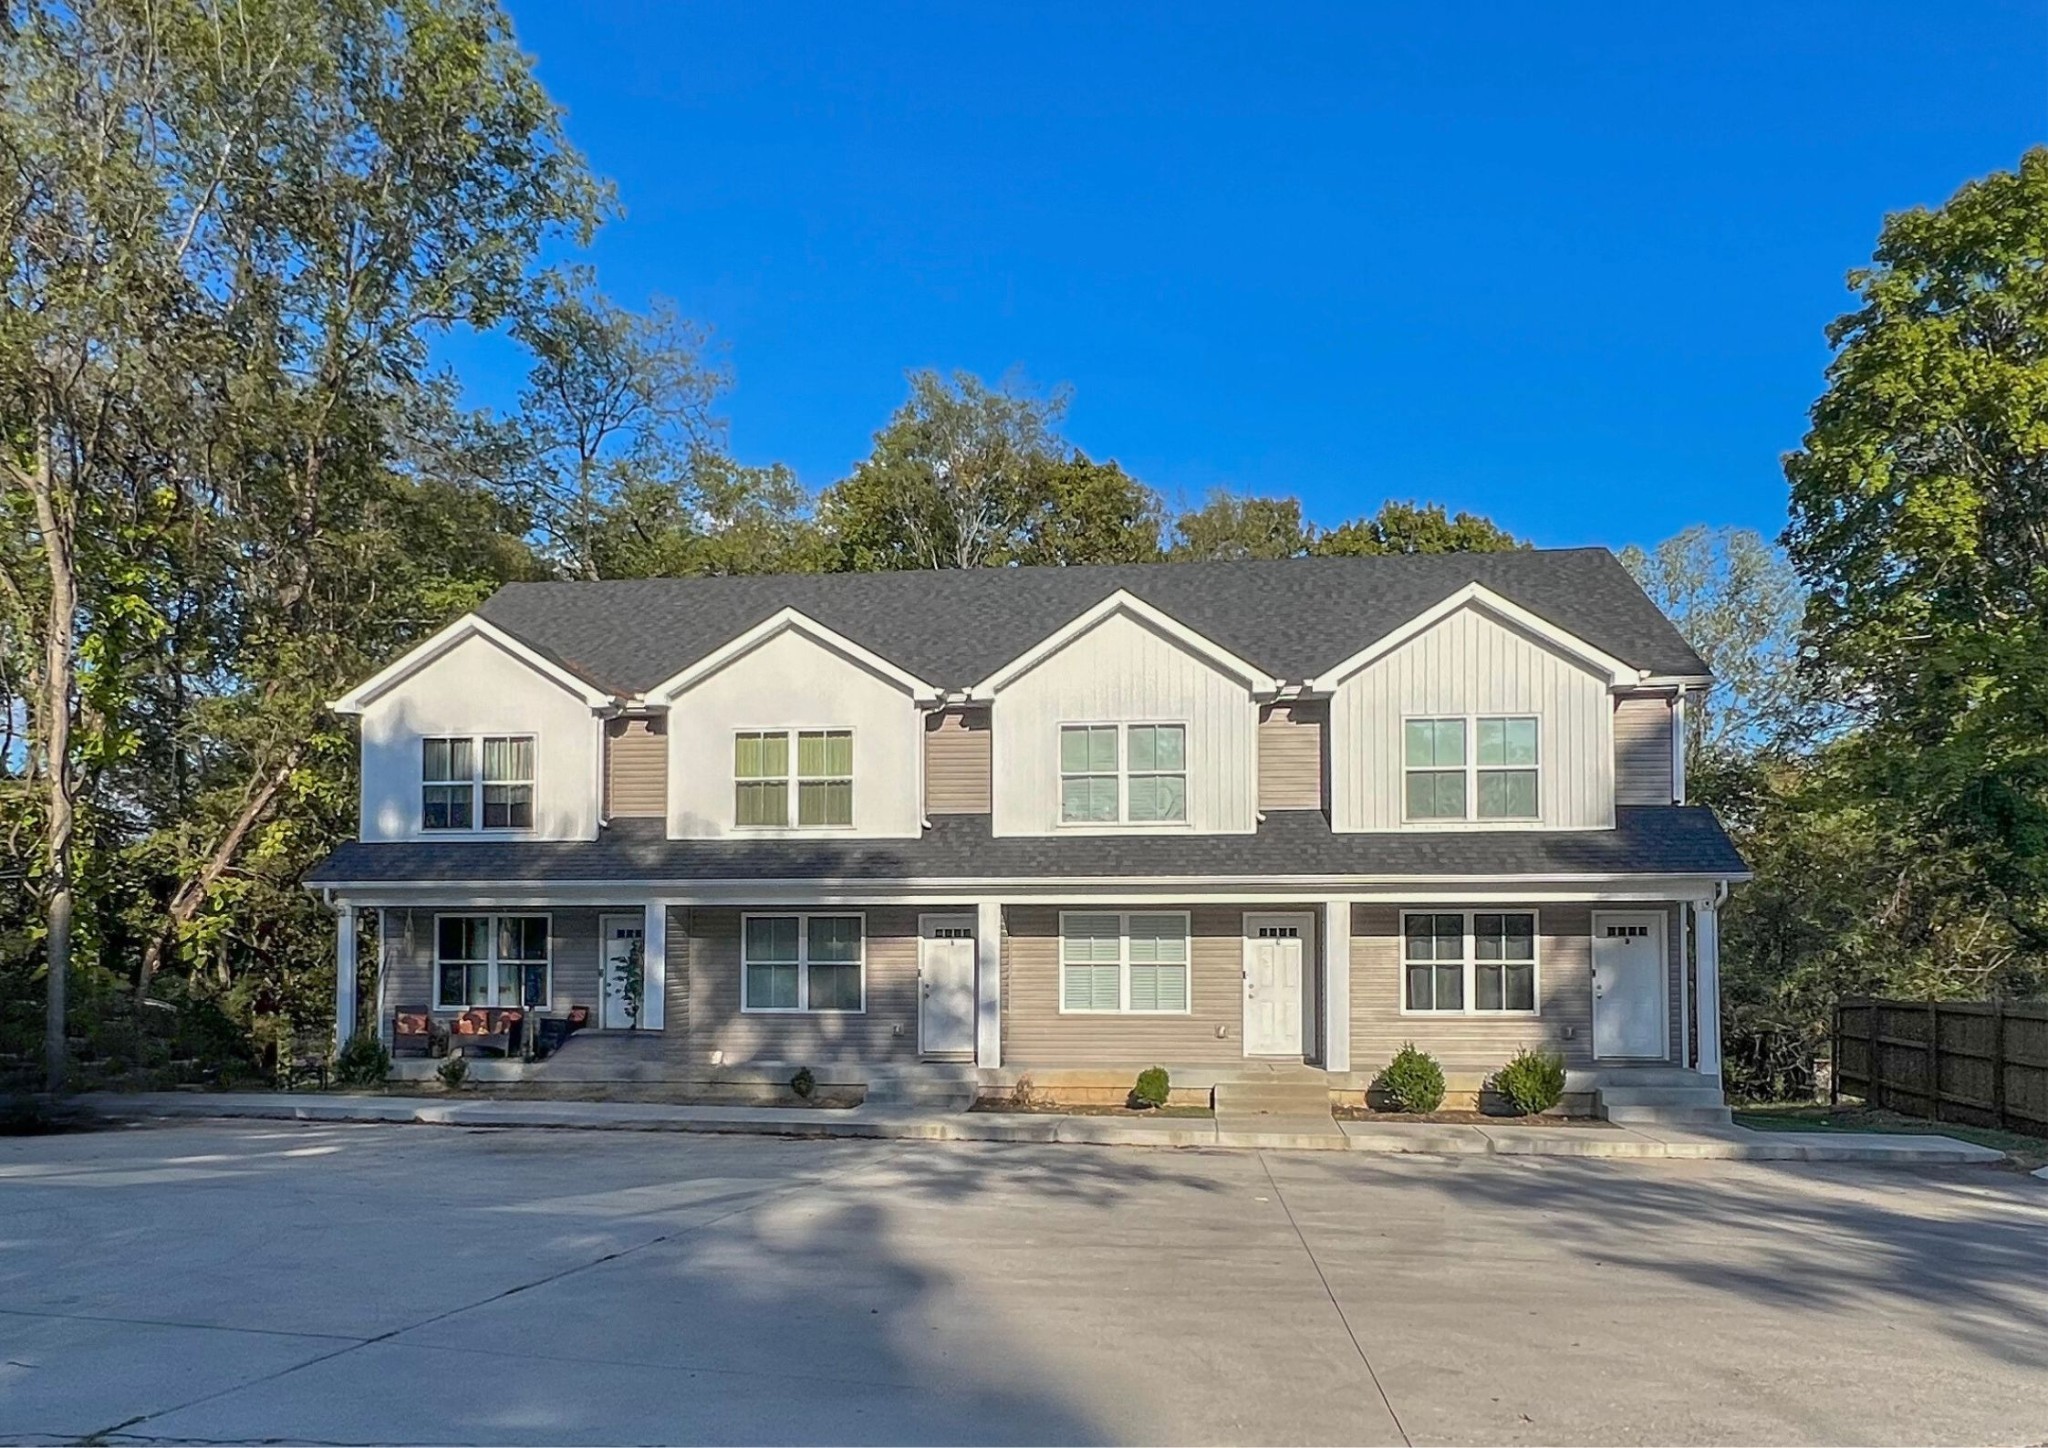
[[653, 966], [344, 973], [383, 1003], [988, 984], [1707, 1001], [1337, 985]]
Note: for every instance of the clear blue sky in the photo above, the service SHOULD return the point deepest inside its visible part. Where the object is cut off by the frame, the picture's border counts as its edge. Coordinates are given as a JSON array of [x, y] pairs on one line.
[[1565, 265]]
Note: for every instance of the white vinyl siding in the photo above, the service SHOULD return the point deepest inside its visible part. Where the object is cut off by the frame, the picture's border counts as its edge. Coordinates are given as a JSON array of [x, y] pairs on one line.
[[793, 684], [1132, 963], [1122, 672], [1469, 666], [478, 690]]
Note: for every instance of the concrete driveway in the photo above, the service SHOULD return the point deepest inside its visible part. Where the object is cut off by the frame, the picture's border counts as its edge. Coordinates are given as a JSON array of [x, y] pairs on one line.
[[426, 1284]]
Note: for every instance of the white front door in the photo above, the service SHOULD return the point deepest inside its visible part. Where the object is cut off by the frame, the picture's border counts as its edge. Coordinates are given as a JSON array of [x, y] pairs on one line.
[[1275, 963], [622, 935], [945, 985], [1630, 994]]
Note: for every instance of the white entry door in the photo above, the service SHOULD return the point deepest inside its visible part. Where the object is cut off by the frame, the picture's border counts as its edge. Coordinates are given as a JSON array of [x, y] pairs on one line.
[[945, 985], [1275, 965], [1630, 995], [622, 936]]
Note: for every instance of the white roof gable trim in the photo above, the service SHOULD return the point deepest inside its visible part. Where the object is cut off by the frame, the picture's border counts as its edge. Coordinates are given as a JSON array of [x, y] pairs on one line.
[[1475, 595], [1125, 602], [790, 619], [469, 626]]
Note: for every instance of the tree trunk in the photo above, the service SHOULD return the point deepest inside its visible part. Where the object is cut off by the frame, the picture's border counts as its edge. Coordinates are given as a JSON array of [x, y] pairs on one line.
[[192, 893], [55, 523]]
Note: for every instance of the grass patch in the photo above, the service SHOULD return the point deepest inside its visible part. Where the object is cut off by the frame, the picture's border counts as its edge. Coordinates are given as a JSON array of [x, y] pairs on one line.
[[2027, 1151]]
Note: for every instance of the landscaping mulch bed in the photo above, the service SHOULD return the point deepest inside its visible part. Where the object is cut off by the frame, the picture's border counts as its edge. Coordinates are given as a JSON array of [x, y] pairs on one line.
[[1466, 1118], [1013, 1108]]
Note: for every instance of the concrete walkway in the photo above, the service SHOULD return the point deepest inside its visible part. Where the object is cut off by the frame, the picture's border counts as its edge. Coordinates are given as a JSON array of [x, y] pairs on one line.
[[1264, 1133]]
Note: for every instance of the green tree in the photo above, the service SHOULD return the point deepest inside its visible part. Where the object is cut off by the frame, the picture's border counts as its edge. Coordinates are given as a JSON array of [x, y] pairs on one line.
[[232, 235], [615, 402], [966, 475], [1415, 528], [1228, 526], [1739, 604], [720, 518], [1920, 522]]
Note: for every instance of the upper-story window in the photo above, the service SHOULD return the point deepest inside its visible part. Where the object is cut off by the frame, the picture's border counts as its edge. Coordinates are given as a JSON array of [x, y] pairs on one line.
[[456, 771], [823, 781], [1123, 773], [1446, 779]]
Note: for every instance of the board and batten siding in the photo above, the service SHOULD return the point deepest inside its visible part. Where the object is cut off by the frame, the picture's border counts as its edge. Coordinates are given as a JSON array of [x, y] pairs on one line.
[[1642, 749], [1291, 755], [956, 761], [1471, 663], [636, 767], [1465, 1044], [1035, 1033], [794, 681], [478, 688], [885, 1032], [1122, 671]]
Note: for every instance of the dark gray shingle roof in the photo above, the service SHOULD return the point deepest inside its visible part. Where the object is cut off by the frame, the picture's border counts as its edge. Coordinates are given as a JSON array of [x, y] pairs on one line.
[[1292, 618], [1646, 840]]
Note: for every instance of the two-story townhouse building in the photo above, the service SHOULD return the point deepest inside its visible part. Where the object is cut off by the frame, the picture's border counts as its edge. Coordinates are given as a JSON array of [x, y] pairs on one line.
[[1064, 822]]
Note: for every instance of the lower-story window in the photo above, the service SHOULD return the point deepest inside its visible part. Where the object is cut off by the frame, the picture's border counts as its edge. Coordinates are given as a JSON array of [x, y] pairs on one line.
[[1473, 962], [1135, 963], [485, 960], [803, 963]]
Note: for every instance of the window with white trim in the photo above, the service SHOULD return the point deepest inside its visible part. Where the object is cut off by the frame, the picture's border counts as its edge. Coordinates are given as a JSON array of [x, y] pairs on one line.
[[1497, 779], [822, 796], [1133, 963], [802, 962], [484, 960], [1123, 774], [1476, 962], [456, 770]]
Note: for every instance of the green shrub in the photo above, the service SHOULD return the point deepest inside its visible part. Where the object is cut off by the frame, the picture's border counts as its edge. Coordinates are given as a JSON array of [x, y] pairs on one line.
[[1153, 1084], [453, 1072], [1533, 1081], [803, 1083], [362, 1062], [1412, 1081]]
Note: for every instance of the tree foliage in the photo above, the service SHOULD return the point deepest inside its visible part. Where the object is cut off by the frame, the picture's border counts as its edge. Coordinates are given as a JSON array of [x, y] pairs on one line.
[[966, 475], [1920, 522]]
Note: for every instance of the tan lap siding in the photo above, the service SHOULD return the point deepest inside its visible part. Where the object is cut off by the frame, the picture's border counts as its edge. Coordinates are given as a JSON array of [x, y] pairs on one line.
[[956, 761], [1480, 1043], [886, 1031], [1642, 751], [1035, 1033], [636, 768], [1461, 1043], [1291, 755], [410, 951]]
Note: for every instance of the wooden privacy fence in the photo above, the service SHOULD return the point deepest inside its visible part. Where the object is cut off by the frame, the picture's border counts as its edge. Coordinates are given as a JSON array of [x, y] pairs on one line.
[[1978, 1063]]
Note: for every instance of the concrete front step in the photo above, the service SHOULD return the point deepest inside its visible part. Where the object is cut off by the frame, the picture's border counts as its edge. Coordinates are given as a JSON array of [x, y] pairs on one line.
[[1273, 1096], [1661, 1095], [1668, 1115]]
